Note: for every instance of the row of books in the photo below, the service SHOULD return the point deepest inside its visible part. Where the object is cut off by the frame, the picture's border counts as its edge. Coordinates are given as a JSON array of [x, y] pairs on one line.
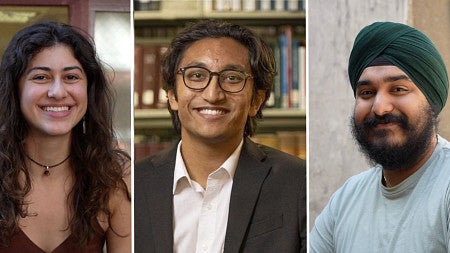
[[148, 92], [165, 33], [289, 90], [227, 5], [147, 5], [158, 33], [291, 142], [253, 5], [149, 145], [288, 45]]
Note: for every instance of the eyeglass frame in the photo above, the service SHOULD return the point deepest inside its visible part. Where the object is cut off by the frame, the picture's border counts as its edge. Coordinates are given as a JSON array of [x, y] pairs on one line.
[[211, 74]]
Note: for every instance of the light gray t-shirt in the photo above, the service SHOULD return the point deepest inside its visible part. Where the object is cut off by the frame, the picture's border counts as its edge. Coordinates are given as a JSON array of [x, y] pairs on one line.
[[364, 216]]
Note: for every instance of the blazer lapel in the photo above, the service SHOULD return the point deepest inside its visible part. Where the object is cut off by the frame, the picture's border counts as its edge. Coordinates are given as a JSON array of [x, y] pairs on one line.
[[160, 198], [250, 174]]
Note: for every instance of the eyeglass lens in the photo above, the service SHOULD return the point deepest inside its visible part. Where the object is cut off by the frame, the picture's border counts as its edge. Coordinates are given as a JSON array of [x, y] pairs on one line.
[[199, 78]]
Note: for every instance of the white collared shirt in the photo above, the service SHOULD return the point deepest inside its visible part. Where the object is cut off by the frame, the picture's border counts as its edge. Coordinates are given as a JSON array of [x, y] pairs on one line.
[[200, 215]]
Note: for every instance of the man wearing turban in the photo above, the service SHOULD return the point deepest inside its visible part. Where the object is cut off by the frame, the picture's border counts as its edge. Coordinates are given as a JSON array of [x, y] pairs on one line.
[[402, 204]]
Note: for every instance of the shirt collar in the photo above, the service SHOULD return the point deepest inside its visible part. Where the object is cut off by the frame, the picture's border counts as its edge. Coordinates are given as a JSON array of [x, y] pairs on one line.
[[180, 171]]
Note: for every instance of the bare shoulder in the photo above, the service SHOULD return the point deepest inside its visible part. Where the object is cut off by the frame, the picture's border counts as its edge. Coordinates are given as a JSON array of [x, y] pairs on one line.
[[118, 234], [119, 201], [120, 195]]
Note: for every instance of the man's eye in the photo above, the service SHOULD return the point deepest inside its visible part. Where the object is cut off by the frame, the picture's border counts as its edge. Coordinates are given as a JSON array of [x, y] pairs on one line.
[[365, 93], [197, 76], [399, 89], [232, 77]]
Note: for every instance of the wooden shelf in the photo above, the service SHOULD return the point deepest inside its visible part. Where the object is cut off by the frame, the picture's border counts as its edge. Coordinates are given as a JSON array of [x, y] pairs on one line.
[[175, 18], [255, 15], [273, 120]]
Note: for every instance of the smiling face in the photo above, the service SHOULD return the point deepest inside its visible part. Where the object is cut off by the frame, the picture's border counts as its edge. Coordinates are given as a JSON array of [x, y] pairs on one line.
[[213, 115], [393, 121], [53, 92]]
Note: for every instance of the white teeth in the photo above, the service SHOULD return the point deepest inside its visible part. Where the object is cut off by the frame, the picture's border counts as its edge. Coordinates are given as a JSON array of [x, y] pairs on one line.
[[56, 109], [211, 112]]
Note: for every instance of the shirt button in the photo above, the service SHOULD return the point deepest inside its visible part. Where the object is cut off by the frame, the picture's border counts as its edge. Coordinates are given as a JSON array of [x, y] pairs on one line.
[[204, 247]]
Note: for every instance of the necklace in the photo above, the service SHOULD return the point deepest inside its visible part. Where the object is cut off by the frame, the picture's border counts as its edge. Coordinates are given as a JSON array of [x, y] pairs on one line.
[[48, 167]]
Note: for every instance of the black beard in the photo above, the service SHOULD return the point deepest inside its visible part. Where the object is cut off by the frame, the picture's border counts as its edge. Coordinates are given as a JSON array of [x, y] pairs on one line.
[[395, 157]]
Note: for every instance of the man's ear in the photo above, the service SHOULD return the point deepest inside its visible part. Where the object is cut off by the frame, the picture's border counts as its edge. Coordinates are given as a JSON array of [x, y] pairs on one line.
[[173, 102], [257, 102]]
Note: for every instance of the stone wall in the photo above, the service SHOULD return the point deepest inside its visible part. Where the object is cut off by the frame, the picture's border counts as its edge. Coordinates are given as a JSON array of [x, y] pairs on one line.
[[332, 28]]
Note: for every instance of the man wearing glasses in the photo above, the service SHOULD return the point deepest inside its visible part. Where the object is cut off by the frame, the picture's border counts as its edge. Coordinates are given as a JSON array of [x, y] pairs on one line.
[[216, 190]]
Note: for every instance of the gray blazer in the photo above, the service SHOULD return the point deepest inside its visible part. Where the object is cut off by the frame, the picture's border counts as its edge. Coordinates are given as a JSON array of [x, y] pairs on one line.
[[267, 206]]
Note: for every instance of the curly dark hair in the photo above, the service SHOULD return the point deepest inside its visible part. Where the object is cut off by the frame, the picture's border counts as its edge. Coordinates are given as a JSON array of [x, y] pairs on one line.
[[96, 161], [262, 60]]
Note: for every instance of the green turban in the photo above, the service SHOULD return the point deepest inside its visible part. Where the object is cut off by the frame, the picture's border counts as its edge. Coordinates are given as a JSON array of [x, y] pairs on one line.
[[408, 49]]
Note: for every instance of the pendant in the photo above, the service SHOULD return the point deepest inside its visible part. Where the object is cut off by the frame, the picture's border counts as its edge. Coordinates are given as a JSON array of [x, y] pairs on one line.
[[46, 171]]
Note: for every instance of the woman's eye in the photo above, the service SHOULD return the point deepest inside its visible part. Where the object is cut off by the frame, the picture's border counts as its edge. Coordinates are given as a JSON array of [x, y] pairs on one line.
[[72, 77], [39, 77]]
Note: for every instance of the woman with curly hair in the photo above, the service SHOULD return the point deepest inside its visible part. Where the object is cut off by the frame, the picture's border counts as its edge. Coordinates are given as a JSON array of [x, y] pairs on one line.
[[64, 182]]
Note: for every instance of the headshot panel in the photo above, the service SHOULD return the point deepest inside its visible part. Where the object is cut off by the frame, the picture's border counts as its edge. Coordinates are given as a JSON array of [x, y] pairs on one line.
[[226, 173], [384, 176], [64, 152]]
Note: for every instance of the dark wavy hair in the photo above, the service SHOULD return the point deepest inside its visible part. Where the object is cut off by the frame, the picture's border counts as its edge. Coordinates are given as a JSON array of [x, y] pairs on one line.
[[96, 161], [262, 61]]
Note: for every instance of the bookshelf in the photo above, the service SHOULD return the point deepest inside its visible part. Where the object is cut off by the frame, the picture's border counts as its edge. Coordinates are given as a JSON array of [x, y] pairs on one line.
[[157, 27], [281, 17], [146, 120]]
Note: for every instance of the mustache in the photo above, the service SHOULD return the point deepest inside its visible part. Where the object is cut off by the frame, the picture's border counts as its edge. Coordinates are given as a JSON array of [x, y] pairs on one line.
[[374, 120]]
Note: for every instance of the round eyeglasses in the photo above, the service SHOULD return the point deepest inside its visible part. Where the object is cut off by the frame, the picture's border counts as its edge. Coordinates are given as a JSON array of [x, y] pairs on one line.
[[198, 78]]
